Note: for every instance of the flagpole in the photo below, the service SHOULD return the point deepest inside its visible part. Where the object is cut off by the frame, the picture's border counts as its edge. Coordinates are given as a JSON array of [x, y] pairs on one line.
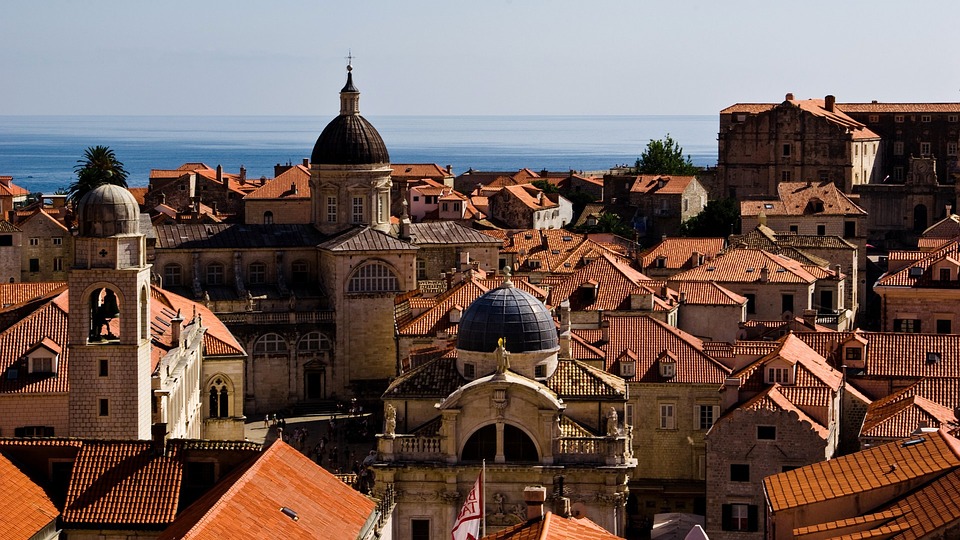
[[483, 500]]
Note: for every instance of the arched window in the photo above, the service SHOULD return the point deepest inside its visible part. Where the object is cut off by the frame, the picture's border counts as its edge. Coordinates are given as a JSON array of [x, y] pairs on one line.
[[270, 343], [219, 399], [172, 275], [215, 273], [268, 218], [299, 272], [517, 446], [373, 277], [104, 315], [144, 315], [314, 341], [257, 273]]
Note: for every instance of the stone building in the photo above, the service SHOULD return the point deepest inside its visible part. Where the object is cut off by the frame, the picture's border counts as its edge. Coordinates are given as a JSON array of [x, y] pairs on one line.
[[761, 145], [109, 356], [514, 398], [284, 199], [664, 202], [184, 189], [919, 293], [11, 247], [528, 207], [47, 251]]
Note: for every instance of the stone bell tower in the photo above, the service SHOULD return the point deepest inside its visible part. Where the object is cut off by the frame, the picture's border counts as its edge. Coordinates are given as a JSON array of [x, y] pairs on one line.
[[109, 320]]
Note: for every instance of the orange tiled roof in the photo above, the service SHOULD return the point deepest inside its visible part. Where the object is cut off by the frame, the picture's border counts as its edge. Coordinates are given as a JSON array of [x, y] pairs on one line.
[[280, 187], [901, 107], [812, 369], [417, 170], [794, 199], [744, 265], [676, 252], [815, 107], [531, 196], [948, 227], [25, 508], [651, 184], [16, 293], [556, 251], [899, 414], [248, 503], [647, 339], [138, 194], [865, 471], [553, 527], [611, 283], [772, 399], [701, 292], [9, 189], [918, 273], [123, 483]]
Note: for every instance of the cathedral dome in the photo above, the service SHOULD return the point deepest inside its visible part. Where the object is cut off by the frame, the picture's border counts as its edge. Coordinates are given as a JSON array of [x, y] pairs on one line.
[[510, 313], [349, 139], [108, 210]]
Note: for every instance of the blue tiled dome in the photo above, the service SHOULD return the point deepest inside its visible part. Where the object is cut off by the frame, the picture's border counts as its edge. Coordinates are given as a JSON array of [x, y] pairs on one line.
[[510, 313]]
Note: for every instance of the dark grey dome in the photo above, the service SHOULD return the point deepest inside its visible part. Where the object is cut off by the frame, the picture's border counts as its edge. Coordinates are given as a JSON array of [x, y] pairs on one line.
[[349, 139], [510, 313], [108, 210]]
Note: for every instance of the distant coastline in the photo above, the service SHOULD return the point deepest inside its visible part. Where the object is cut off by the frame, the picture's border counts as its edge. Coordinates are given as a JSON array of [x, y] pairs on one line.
[[40, 151]]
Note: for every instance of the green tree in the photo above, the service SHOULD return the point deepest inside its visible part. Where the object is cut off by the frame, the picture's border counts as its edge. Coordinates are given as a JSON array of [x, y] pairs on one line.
[[608, 222], [719, 217], [99, 165], [545, 186], [665, 156]]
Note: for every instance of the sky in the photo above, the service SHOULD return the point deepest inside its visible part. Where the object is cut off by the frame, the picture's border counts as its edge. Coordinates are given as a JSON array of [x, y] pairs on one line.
[[490, 57]]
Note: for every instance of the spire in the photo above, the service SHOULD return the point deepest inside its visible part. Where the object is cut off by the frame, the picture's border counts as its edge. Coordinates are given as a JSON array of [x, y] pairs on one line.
[[349, 95]]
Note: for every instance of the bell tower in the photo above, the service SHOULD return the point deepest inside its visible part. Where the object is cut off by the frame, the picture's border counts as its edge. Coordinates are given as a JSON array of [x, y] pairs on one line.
[[109, 320]]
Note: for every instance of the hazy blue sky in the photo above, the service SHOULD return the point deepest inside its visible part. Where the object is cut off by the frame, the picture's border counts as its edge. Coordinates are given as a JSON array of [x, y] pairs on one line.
[[482, 57]]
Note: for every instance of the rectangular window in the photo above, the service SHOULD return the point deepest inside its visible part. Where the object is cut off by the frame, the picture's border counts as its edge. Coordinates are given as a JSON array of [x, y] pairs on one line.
[[667, 418], [951, 148], [739, 472], [898, 148], [421, 269], [786, 303], [357, 214], [751, 303], [786, 150], [446, 207], [767, 433], [419, 529], [34, 241], [57, 264], [784, 176], [849, 229], [331, 209], [898, 173], [821, 230], [854, 353], [41, 365], [778, 375], [740, 517], [925, 118], [706, 416], [540, 371], [906, 325], [58, 240], [6, 240], [898, 118], [104, 407], [628, 414], [951, 118], [416, 198], [823, 175], [944, 274], [104, 367], [34, 265], [469, 370], [944, 326], [873, 118], [924, 149], [794, 229]]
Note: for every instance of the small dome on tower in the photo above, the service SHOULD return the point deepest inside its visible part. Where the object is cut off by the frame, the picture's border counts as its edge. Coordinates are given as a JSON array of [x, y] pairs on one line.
[[510, 313], [108, 210], [349, 139]]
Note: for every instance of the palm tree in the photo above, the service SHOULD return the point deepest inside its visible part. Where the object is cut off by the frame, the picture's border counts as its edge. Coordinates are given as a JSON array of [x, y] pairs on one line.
[[98, 166]]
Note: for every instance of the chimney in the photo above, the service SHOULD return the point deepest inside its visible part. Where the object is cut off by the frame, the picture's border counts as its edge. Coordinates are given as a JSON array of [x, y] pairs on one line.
[[176, 325], [243, 174], [450, 170], [306, 162], [949, 210], [838, 270], [764, 274], [694, 259], [731, 392], [565, 316], [605, 331], [213, 207], [789, 96], [220, 173], [158, 434], [829, 102], [762, 218], [810, 317], [293, 188], [534, 496], [683, 297]]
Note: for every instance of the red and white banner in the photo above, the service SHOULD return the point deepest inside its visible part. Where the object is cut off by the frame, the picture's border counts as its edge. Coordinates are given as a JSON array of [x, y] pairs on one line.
[[467, 526]]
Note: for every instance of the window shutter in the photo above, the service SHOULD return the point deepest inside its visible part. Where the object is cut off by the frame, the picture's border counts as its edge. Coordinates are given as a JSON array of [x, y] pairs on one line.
[[727, 511], [752, 518]]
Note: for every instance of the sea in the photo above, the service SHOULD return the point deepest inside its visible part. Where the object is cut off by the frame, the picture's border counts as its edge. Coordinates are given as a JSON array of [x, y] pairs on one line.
[[40, 152]]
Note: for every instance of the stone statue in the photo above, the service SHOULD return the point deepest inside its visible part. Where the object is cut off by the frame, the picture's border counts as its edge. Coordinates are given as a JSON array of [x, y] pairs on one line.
[[498, 499], [390, 414], [503, 357], [250, 304], [612, 429]]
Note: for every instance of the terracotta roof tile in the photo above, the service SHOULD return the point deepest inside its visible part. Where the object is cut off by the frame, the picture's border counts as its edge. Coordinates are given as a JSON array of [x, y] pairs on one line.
[[743, 265], [606, 283], [871, 469], [123, 483], [553, 527], [919, 272], [676, 252], [800, 198], [701, 292], [17, 293], [772, 399], [899, 414], [417, 170], [574, 379], [248, 503], [25, 508], [280, 187], [650, 184], [648, 338]]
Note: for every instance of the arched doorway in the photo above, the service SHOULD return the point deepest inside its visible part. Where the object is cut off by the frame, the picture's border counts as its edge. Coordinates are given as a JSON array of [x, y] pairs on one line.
[[517, 446]]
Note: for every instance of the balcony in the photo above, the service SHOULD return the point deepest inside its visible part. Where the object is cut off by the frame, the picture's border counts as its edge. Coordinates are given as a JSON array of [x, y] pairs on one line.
[[566, 450], [285, 317]]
